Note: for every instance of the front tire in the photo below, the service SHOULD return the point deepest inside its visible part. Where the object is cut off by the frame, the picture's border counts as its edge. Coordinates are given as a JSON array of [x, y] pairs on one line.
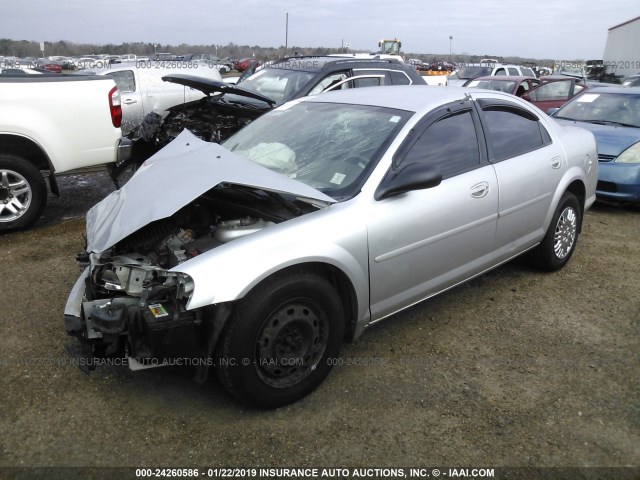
[[280, 341], [23, 193], [559, 243]]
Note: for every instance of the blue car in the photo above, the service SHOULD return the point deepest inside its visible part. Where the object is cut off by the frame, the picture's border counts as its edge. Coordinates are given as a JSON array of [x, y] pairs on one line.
[[612, 114]]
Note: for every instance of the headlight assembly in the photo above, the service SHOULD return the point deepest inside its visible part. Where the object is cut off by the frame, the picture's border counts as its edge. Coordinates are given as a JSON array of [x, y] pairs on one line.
[[630, 155]]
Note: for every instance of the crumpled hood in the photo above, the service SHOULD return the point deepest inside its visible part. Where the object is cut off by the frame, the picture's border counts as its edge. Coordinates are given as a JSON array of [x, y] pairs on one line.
[[611, 140], [174, 177]]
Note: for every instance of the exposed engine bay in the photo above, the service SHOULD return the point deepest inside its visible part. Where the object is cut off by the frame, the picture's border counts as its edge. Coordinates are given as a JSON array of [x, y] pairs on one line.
[[135, 307], [212, 119]]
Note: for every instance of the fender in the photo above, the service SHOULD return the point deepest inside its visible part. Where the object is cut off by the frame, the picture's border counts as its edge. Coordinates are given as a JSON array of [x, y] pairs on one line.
[[229, 272]]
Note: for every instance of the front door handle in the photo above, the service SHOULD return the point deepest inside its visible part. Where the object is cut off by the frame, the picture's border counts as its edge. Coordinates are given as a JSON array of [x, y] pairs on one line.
[[480, 190]]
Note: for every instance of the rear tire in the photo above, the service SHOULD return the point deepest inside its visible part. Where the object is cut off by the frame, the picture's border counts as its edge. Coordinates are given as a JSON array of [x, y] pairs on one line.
[[280, 341], [558, 244], [23, 193]]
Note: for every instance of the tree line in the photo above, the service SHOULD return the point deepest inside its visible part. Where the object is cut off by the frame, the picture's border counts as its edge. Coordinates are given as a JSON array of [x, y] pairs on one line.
[[25, 48]]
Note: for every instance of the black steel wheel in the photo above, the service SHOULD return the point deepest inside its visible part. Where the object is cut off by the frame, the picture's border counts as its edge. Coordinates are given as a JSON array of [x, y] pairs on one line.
[[280, 340]]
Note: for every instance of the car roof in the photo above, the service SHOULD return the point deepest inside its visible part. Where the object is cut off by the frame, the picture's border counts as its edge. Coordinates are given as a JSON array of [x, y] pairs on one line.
[[506, 77], [562, 77], [616, 89], [318, 63], [412, 98]]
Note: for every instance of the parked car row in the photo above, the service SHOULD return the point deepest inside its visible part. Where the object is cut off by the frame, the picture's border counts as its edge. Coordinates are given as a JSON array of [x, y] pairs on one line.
[[225, 108], [545, 92], [59, 63], [483, 69]]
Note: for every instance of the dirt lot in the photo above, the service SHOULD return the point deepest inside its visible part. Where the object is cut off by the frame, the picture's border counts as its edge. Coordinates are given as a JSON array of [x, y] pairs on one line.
[[516, 368]]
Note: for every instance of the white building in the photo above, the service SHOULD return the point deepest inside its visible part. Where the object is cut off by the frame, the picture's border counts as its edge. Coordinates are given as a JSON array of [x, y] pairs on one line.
[[622, 51]]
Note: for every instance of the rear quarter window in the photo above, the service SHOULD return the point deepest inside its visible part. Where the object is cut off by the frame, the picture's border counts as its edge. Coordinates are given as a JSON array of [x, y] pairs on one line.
[[399, 78]]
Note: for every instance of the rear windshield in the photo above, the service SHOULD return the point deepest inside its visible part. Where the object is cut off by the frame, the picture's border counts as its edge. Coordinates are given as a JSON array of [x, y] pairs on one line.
[[474, 72]]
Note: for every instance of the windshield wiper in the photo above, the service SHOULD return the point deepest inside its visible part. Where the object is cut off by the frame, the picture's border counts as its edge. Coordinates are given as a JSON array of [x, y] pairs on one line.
[[565, 118], [611, 122]]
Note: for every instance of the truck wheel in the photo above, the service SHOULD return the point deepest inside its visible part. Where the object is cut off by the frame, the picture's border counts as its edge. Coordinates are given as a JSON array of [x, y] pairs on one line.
[[558, 244], [23, 193], [282, 339]]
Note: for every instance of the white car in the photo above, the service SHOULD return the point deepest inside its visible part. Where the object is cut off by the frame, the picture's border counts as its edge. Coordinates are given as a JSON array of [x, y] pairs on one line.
[[143, 91], [320, 218], [488, 68]]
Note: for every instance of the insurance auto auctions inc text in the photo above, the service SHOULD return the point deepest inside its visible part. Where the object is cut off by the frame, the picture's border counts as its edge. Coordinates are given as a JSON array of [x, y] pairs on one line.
[[374, 472]]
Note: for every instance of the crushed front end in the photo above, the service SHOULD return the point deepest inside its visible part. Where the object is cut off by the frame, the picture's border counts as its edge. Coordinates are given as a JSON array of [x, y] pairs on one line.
[[127, 302], [131, 300]]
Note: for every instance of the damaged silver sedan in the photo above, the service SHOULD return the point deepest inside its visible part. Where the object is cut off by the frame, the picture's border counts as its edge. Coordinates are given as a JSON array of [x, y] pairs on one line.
[[259, 257]]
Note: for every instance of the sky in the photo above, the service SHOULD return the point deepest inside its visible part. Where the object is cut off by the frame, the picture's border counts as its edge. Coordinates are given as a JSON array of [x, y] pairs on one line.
[[543, 29]]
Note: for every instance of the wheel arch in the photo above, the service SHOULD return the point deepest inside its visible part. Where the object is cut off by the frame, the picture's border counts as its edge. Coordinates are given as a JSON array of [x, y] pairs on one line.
[[341, 283], [573, 182], [26, 148], [32, 152]]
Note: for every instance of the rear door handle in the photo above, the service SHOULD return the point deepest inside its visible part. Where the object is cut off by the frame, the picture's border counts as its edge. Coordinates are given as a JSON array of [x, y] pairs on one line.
[[480, 190], [129, 101], [556, 162]]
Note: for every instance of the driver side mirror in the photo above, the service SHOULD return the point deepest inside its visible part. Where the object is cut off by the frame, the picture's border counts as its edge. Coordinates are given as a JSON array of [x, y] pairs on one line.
[[551, 111], [414, 176]]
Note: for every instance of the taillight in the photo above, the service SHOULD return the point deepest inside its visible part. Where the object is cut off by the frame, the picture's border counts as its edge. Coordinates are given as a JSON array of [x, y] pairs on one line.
[[115, 106]]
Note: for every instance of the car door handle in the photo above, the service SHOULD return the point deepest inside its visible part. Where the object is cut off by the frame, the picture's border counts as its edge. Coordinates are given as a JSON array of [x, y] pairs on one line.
[[480, 190], [130, 101], [556, 162]]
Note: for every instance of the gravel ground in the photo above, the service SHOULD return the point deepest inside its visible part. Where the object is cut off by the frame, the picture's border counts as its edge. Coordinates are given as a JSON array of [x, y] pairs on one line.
[[516, 368]]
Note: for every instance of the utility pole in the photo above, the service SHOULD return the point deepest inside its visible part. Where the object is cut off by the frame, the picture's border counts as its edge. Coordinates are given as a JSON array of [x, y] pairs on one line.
[[450, 40], [286, 33]]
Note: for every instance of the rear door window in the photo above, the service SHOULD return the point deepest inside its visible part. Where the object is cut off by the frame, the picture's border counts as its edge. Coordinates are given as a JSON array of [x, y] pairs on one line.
[[399, 78], [511, 131]]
